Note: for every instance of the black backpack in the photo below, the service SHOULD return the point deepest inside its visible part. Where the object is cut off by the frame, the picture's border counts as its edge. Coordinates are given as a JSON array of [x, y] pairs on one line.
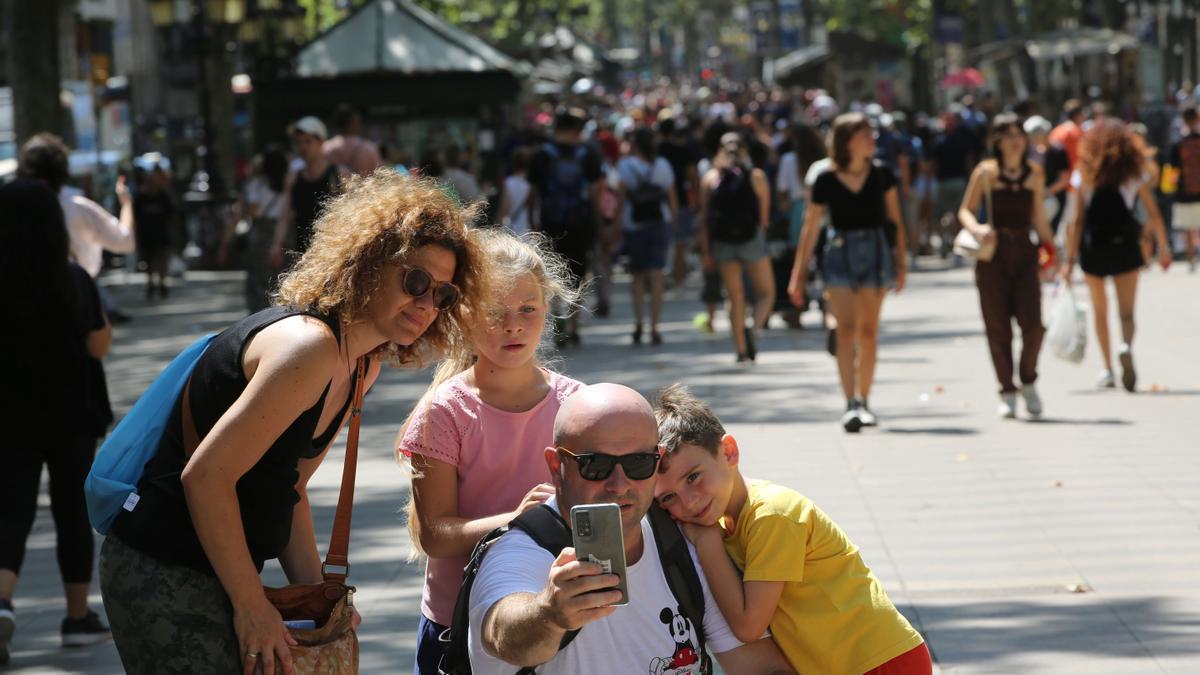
[[733, 206], [546, 527], [564, 202], [646, 198]]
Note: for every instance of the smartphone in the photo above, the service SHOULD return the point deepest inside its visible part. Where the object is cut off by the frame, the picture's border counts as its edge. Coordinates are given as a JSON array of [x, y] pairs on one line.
[[597, 535]]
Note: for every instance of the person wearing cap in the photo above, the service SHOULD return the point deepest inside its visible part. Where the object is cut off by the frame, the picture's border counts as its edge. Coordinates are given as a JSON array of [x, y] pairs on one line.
[[306, 189], [348, 148]]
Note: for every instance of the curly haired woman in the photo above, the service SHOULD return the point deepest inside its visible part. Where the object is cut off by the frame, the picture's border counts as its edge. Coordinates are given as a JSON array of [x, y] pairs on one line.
[[1106, 235], [393, 274]]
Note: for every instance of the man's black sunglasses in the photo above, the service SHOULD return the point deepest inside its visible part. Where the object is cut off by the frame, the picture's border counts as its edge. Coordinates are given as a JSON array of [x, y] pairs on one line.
[[599, 466], [417, 282]]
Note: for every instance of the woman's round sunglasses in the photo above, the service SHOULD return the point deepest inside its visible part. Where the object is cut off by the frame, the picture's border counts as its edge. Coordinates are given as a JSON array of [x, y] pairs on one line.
[[599, 466], [417, 282]]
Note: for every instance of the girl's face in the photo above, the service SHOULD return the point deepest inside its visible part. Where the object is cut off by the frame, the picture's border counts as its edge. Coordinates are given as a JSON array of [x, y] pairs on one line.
[[515, 325], [862, 144], [1012, 143], [402, 318]]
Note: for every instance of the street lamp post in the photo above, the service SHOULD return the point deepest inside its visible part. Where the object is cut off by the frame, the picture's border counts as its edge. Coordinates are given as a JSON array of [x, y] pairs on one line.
[[207, 189]]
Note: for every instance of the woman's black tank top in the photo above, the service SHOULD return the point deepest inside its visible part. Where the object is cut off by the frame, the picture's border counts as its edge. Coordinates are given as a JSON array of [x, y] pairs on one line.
[[160, 524], [307, 197]]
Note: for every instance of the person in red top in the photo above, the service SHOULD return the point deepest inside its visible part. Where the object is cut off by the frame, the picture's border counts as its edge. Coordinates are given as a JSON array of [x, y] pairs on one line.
[[1067, 134]]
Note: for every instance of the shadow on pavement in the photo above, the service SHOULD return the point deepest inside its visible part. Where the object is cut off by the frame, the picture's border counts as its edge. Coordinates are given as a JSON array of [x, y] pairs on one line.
[[985, 632]]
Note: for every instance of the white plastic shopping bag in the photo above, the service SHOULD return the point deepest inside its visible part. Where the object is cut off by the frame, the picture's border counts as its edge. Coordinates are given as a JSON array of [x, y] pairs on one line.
[[1067, 329]]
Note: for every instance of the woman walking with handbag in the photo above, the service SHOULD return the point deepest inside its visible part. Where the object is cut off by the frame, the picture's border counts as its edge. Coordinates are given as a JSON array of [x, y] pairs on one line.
[[1105, 234], [1006, 268], [864, 255], [392, 274]]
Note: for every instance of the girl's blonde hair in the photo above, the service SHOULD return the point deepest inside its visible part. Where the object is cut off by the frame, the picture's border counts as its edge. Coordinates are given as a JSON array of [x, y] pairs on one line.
[[383, 219], [511, 258]]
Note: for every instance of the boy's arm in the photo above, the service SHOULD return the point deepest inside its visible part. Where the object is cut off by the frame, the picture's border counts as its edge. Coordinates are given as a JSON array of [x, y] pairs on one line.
[[747, 606]]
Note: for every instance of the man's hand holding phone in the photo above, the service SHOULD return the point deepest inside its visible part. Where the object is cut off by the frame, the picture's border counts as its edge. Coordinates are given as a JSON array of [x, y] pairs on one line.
[[575, 594]]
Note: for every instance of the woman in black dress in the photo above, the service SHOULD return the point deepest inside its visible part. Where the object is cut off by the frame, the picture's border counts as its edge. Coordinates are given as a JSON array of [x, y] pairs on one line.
[[1105, 235]]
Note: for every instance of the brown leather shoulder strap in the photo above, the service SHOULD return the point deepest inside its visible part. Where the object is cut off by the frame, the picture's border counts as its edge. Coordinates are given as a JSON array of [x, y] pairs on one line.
[[337, 563]]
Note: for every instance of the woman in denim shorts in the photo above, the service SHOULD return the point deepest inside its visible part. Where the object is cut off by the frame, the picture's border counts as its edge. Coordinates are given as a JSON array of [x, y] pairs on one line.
[[735, 203], [650, 212], [864, 255]]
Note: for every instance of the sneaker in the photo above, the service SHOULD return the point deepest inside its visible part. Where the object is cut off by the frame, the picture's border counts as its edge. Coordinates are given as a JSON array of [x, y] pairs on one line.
[[656, 337], [1033, 402], [864, 413], [1128, 374], [1008, 406], [8, 624], [637, 335], [1105, 380], [852, 420], [86, 631]]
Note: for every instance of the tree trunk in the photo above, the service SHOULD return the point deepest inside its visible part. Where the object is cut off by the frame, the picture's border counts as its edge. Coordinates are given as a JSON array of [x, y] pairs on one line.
[[33, 68], [219, 71]]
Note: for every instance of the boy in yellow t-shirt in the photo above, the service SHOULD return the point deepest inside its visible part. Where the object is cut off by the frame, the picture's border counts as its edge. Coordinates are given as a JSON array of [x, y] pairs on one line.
[[801, 575]]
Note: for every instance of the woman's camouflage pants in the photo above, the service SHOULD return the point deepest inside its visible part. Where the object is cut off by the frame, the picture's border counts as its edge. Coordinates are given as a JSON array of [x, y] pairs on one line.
[[166, 619]]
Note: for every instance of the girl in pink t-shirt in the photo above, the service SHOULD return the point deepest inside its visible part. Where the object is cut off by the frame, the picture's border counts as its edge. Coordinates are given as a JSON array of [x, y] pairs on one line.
[[476, 439]]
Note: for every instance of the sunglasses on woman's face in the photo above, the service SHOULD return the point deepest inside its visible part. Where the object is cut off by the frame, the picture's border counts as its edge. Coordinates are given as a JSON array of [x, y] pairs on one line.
[[597, 466], [417, 282]]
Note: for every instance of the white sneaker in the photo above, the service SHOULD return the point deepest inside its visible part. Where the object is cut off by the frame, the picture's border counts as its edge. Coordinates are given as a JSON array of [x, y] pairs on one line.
[[1008, 406], [1128, 374], [868, 418], [1033, 402], [1106, 380], [852, 420]]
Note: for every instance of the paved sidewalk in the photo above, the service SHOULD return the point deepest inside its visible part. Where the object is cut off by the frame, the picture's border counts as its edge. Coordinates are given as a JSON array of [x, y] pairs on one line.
[[980, 529]]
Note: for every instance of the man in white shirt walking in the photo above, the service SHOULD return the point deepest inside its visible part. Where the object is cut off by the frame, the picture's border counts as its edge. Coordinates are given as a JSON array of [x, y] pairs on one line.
[[524, 599]]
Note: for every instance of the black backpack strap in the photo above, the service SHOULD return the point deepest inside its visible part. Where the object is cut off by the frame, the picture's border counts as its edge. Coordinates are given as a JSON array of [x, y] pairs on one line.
[[680, 571], [546, 528]]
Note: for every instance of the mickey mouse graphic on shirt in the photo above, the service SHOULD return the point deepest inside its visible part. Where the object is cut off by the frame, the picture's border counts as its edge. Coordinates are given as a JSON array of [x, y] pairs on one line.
[[685, 660]]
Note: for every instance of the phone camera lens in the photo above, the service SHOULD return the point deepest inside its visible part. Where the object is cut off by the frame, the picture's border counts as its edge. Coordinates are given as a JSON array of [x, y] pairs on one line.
[[584, 523]]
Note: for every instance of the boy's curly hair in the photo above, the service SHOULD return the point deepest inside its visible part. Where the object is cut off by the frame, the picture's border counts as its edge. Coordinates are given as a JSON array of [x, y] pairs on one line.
[[383, 219]]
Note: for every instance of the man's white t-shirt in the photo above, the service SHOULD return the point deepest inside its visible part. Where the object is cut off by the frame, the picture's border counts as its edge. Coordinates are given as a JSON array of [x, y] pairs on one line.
[[649, 635]]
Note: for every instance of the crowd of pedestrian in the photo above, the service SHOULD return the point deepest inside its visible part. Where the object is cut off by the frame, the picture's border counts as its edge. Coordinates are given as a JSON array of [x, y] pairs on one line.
[[765, 202]]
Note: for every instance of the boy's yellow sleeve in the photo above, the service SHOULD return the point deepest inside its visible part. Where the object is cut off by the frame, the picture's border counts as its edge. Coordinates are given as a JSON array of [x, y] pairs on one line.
[[775, 546]]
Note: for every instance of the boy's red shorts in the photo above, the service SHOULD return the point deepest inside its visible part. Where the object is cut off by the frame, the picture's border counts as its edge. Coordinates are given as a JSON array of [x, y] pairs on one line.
[[915, 661]]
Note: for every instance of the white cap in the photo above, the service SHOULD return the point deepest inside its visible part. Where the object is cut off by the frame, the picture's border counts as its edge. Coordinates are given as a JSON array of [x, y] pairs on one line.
[[309, 125], [1037, 125]]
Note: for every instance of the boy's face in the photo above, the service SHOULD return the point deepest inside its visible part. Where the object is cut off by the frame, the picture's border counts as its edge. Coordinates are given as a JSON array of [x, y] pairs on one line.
[[695, 486]]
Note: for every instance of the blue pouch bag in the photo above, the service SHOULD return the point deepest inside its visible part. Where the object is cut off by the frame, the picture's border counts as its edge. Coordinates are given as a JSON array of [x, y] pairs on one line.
[[112, 482]]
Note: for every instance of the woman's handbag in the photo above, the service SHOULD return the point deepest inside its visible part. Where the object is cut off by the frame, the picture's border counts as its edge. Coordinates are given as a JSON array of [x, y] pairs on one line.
[[331, 648], [967, 245]]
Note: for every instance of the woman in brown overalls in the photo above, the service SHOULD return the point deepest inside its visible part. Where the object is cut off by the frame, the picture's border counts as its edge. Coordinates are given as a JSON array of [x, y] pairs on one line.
[[1011, 189]]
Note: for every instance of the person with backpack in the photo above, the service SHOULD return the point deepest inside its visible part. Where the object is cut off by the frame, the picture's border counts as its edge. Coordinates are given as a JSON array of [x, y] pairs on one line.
[[566, 177], [1105, 236], [864, 255], [735, 210], [650, 213], [528, 602], [474, 440], [63, 406], [391, 276]]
